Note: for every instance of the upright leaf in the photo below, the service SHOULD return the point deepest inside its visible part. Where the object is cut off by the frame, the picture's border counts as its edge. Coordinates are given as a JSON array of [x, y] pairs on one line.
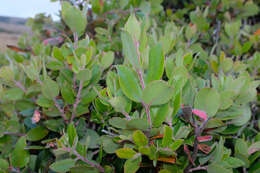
[[72, 133], [132, 26], [129, 49], [156, 63], [132, 165], [50, 89], [167, 138], [20, 157], [74, 18], [139, 138]]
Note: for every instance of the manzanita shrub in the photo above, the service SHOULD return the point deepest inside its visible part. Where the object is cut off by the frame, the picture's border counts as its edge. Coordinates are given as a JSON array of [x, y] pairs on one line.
[[134, 86]]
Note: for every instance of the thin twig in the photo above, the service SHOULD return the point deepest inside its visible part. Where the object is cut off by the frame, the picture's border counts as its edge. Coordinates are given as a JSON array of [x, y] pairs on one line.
[[75, 105], [126, 115], [141, 79], [79, 157], [109, 133], [198, 131], [198, 168], [19, 85], [13, 133], [60, 110]]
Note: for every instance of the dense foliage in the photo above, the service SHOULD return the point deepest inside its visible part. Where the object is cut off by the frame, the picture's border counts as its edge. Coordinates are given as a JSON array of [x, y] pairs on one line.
[[134, 86]]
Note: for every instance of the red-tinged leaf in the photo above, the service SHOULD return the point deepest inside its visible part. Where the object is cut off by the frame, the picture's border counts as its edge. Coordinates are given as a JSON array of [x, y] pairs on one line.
[[36, 117], [187, 151], [257, 32], [17, 49], [204, 138], [200, 113], [204, 148], [157, 137], [254, 148], [171, 160]]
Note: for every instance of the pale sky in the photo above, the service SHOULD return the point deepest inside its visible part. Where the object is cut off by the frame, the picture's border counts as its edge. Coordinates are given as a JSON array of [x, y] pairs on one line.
[[28, 8]]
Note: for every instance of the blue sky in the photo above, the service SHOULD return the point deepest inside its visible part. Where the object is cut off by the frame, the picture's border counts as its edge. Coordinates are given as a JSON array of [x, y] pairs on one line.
[[28, 8]]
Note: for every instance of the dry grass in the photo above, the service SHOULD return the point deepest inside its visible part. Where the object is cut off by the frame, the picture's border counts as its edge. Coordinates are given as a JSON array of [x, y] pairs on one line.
[[6, 38], [10, 33]]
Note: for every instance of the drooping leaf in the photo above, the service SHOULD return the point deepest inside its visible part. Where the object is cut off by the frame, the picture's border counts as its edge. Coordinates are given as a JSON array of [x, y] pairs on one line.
[[129, 49], [156, 64], [74, 18]]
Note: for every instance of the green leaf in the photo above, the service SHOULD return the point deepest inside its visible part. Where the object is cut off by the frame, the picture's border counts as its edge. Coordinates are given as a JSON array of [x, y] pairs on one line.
[[120, 103], [3, 164], [156, 63], [241, 146], [94, 137], [254, 148], [161, 115], [164, 171], [215, 168], [83, 169], [157, 93], [129, 49], [167, 136], [74, 18], [57, 53], [129, 84], [232, 162], [139, 138], [226, 99], [132, 165], [109, 145], [176, 144], [20, 157], [37, 133], [133, 27], [125, 153], [50, 88], [118, 122], [107, 59], [67, 94], [219, 152], [208, 100], [7, 73], [84, 75], [72, 133], [62, 165], [13, 94], [139, 124], [44, 102]]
